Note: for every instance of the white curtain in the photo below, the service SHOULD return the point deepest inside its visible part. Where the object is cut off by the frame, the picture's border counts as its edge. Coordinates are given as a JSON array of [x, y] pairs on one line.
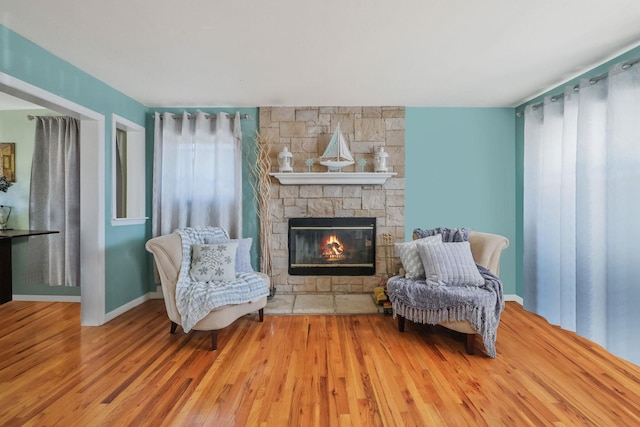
[[54, 203], [197, 172], [581, 210]]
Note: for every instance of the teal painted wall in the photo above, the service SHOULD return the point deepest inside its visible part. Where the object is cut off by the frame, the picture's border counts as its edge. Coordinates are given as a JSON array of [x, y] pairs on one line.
[[519, 140], [519, 143], [460, 172], [126, 261]]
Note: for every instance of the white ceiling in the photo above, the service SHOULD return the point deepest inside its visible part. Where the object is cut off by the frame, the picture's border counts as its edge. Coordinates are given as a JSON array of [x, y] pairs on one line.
[[490, 53]]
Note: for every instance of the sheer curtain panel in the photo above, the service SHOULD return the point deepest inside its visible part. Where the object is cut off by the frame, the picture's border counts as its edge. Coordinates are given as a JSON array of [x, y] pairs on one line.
[[581, 205], [54, 203], [197, 177]]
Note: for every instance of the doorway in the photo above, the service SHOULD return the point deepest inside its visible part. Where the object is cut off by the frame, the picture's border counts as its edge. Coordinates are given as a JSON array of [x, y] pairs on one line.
[[92, 192]]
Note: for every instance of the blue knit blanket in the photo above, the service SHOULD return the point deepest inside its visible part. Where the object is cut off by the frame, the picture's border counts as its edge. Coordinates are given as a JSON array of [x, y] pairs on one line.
[[480, 305], [194, 300]]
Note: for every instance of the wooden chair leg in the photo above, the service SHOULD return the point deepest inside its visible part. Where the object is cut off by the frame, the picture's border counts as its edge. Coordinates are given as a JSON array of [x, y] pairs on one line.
[[261, 314], [174, 325], [401, 323], [471, 341], [214, 340]]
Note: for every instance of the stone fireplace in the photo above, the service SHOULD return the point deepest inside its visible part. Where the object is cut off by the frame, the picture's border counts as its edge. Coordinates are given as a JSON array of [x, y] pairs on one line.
[[306, 131]]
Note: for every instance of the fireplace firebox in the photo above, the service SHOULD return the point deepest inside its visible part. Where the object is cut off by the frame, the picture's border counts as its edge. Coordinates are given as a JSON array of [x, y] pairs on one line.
[[332, 246]]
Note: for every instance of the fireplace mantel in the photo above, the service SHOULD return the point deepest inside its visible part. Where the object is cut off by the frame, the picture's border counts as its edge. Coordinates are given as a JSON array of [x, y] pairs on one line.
[[333, 178]]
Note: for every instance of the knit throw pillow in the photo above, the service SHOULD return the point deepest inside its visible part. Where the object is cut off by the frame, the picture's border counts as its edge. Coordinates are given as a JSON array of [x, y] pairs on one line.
[[410, 259], [449, 264], [215, 261]]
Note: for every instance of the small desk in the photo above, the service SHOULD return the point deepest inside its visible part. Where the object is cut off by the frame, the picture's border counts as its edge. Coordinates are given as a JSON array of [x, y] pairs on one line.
[[6, 286]]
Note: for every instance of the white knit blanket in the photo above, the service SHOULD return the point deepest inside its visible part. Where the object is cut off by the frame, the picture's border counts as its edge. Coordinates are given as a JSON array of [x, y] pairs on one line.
[[194, 300]]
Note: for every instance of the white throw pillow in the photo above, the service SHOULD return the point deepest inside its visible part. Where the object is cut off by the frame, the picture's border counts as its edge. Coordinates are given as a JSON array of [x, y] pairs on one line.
[[409, 257], [215, 261], [243, 254], [449, 264]]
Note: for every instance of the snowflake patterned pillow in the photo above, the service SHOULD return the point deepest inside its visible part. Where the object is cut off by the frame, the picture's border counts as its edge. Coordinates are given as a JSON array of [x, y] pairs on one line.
[[216, 261], [243, 254]]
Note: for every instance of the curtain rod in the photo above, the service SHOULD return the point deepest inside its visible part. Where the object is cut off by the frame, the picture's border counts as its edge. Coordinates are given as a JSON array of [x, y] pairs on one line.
[[576, 88], [30, 117], [176, 117], [208, 116]]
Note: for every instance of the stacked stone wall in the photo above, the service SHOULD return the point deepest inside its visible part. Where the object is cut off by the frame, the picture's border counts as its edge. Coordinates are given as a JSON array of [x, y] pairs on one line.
[[306, 131]]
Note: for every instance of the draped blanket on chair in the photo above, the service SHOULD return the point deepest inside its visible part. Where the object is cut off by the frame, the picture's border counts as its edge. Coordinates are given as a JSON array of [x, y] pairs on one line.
[[480, 305], [194, 300]]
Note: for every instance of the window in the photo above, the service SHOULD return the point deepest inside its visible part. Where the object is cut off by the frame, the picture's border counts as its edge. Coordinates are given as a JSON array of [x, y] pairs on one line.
[[128, 172]]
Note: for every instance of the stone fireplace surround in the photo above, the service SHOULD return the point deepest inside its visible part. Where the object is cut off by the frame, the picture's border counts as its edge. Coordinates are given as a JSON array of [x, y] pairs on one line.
[[306, 131]]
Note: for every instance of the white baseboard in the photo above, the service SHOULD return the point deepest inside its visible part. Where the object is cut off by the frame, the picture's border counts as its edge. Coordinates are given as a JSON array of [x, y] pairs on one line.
[[47, 298], [514, 297], [157, 294], [124, 308]]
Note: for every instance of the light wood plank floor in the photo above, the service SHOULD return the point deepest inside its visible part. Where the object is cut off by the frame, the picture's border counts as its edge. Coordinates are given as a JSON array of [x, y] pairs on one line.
[[302, 370]]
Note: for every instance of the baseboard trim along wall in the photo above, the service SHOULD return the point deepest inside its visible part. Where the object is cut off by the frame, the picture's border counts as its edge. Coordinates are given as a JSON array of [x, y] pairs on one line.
[[157, 294], [124, 308], [514, 297], [47, 298]]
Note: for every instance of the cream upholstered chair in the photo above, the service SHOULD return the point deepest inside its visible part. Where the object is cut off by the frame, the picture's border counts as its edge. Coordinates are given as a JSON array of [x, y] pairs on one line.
[[486, 249], [167, 252]]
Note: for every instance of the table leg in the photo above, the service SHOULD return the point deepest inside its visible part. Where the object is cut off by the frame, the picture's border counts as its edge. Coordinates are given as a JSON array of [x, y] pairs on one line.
[[5, 271]]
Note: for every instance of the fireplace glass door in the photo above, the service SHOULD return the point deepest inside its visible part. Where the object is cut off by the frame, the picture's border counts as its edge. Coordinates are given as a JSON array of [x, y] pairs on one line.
[[332, 246]]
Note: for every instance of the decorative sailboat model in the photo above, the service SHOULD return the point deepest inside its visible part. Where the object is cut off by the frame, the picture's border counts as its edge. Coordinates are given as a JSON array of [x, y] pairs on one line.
[[337, 154]]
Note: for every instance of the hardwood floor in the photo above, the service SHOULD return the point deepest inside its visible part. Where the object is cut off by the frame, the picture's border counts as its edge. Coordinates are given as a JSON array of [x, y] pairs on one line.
[[302, 370]]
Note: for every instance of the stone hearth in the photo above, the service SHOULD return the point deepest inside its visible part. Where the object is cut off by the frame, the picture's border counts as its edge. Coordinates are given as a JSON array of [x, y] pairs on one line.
[[322, 303]]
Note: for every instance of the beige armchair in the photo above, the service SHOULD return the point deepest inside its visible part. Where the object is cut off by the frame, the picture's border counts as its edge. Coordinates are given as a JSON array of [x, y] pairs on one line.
[[167, 252], [486, 249]]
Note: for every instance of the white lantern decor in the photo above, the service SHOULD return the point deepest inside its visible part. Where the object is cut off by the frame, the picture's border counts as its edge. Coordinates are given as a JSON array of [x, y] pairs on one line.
[[285, 160], [380, 159]]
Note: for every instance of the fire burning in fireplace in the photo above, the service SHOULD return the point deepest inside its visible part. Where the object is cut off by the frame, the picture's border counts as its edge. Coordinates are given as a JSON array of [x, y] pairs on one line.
[[332, 246], [332, 249]]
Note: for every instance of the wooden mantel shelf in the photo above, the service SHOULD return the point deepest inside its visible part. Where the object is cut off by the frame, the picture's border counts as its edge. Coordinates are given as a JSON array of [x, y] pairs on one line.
[[333, 178]]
